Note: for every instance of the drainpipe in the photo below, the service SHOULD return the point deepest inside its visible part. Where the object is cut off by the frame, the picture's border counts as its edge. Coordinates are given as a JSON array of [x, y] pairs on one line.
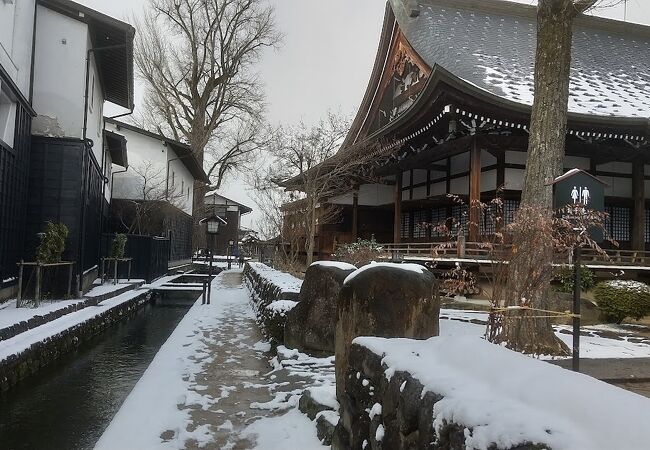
[[84, 190]]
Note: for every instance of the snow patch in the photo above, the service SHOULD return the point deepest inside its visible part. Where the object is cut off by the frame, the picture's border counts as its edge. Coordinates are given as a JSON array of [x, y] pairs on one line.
[[407, 267]]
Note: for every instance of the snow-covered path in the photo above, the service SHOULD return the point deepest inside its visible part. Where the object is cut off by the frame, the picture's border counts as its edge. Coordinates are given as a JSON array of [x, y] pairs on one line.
[[211, 386]]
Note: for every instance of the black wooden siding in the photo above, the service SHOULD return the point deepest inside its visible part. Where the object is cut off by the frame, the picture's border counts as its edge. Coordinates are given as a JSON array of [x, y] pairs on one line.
[[14, 167], [65, 186]]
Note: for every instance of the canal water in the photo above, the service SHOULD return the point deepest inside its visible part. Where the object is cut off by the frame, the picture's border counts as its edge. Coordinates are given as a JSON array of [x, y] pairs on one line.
[[68, 405]]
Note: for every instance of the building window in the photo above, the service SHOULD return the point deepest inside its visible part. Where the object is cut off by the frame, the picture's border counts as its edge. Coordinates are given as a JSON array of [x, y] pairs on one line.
[[438, 220], [173, 179], [647, 225], [7, 119], [488, 221], [188, 192], [420, 224], [405, 231], [618, 222], [182, 186], [510, 208], [459, 216]]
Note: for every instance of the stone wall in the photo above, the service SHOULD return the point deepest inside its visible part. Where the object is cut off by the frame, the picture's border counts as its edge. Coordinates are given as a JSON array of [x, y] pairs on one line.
[[41, 354], [378, 412], [271, 298]]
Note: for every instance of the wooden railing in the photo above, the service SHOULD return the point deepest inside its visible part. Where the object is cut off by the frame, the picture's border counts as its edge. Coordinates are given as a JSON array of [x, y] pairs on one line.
[[481, 252]]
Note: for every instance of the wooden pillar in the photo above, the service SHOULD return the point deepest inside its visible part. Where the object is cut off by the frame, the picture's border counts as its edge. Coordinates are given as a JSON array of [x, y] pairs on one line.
[[397, 222], [355, 215], [474, 191], [638, 196]]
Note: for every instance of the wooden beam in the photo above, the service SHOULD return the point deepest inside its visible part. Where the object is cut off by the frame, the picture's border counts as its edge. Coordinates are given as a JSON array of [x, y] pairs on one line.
[[355, 215], [474, 191], [638, 197], [397, 219]]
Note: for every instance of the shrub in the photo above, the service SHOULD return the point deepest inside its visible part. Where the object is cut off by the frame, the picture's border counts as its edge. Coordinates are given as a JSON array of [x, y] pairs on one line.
[[618, 299], [565, 276], [117, 246], [52, 243], [359, 253]]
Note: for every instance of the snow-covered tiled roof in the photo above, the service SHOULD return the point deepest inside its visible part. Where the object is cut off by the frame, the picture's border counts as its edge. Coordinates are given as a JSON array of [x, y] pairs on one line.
[[491, 44]]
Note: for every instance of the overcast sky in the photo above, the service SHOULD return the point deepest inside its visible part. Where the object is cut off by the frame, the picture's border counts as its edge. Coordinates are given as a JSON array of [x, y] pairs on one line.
[[326, 58]]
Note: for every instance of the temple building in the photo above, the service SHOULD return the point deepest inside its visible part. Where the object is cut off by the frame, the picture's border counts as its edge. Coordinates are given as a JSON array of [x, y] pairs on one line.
[[447, 111]]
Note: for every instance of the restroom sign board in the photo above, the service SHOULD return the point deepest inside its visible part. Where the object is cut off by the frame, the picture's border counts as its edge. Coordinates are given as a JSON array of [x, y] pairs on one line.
[[581, 190]]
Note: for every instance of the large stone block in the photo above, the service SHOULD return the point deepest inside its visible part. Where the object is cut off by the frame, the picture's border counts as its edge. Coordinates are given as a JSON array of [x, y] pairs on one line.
[[385, 300], [311, 325]]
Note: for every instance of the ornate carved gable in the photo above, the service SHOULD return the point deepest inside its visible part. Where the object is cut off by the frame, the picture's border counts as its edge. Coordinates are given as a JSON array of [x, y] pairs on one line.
[[404, 77]]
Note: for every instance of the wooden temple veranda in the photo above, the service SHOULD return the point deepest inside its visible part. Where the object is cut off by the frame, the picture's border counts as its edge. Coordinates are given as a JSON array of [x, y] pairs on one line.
[[447, 111]]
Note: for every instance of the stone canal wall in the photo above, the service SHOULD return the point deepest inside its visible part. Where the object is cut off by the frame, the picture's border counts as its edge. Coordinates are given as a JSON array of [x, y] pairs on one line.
[[273, 295], [40, 354]]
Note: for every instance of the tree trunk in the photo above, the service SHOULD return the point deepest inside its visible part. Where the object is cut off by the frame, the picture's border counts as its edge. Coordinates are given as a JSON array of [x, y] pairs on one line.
[[548, 120], [311, 238], [526, 331]]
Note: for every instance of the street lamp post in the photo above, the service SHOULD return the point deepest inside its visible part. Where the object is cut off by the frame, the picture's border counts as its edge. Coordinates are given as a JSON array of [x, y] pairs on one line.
[[230, 244], [212, 228]]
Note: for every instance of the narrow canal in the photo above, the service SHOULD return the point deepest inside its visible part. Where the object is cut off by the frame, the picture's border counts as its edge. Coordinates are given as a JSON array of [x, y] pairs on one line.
[[67, 406]]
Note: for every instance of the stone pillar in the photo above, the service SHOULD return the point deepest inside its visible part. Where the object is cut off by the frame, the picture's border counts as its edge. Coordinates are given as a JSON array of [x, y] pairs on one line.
[[638, 196], [397, 222], [385, 300], [474, 191]]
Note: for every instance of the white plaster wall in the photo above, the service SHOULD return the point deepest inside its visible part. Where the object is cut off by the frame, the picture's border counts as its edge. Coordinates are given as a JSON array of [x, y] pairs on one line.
[[95, 120], [514, 179], [488, 180], [516, 157], [460, 163], [438, 188], [647, 189], [108, 170], [375, 194], [576, 162], [487, 159], [459, 186], [419, 193], [16, 32], [646, 169], [144, 151], [616, 167], [617, 187], [419, 176], [406, 195], [59, 74], [436, 174], [345, 199]]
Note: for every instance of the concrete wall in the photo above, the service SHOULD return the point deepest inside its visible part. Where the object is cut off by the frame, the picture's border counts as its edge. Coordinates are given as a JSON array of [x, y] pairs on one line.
[[148, 160]]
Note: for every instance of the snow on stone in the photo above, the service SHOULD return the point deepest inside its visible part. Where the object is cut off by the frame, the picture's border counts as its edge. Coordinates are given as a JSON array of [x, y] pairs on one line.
[[23, 341], [375, 411], [379, 434], [506, 398], [109, 287], [325, 395], [417, 268], [331, 416], [337, 264], [281, 307], [10, 315], [286, 282]]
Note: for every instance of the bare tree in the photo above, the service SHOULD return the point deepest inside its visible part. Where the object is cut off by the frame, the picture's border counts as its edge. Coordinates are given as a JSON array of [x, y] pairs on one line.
[[306, 155], [545, 162], [196, 58], [152, 197]]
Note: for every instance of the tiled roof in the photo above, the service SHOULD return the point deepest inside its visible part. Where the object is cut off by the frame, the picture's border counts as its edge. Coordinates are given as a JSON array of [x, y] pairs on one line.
[[491, 44]]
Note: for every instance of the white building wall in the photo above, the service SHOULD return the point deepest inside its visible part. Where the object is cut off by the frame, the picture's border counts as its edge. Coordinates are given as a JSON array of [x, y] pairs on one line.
[[95, 120], [16, 32], [148, 160], [59, 74]]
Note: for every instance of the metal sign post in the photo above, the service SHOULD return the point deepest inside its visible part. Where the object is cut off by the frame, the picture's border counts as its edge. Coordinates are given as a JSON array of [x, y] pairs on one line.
[[577, 288]]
